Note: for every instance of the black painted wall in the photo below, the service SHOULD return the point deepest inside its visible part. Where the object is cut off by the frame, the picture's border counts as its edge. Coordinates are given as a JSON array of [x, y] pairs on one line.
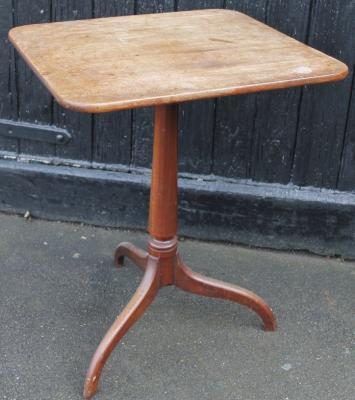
[[295, 139]]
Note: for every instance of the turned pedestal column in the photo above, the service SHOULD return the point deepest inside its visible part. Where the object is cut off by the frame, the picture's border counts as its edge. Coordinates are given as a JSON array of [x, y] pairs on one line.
[[161, 263], [119, 63]]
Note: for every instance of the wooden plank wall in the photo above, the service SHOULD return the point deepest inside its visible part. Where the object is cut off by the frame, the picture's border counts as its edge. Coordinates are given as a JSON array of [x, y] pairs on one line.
[[304, 136], [8, 87]]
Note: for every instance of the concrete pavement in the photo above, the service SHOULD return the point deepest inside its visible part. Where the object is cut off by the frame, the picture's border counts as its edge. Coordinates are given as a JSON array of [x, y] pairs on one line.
[[59, 293]]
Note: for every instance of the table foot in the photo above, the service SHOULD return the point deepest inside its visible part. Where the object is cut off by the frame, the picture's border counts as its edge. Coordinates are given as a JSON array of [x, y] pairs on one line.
[[144, 295], [193, 282], [129, 250], [163, 267]]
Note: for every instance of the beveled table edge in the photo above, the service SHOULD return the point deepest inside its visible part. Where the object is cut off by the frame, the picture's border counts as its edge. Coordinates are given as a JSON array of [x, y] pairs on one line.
[[185, 96]]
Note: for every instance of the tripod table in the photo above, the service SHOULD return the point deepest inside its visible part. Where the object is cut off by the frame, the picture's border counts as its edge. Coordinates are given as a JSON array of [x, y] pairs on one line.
[[160, 60]]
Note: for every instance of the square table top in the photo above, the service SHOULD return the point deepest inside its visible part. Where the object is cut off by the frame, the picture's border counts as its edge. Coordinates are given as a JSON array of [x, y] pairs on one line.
[[109, 64]]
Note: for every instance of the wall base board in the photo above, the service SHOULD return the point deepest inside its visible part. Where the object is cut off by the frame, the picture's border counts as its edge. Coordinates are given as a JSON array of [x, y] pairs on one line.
[[267, 215]]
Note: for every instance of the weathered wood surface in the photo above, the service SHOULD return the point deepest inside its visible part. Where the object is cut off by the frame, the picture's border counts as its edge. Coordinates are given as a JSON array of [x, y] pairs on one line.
[[300, 148], [346, 179], [112, 133], [35, 104], [325, 112], [190, 121], [142, 119], [321, 221], [110, 64], [256, 133], [8, 95], [77, 123]]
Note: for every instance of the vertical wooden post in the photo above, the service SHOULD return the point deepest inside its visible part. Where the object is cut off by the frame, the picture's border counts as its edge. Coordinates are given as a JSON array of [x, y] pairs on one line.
[[162, 264], [163, 194]]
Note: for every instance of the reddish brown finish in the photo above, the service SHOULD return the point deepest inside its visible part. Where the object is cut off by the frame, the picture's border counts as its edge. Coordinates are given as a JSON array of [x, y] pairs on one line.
[[144, 295], [193, 282], [162, 264], [163, 193], [112, 64], [129, 250]]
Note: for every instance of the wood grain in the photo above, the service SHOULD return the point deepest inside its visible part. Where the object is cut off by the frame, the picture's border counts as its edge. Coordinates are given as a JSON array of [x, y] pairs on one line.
[[255, 134], [117, 63], [163, 193], [112, 131], [140, 301], [195, 155], [162, 264], [193, 282], [142, 119], [35, 103], [346, 180], [323, 111], [80, 147], [276, 113]]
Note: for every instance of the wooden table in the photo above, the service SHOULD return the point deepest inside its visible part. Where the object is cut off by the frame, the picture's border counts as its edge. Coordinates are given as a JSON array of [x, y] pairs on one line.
[[159, 60]]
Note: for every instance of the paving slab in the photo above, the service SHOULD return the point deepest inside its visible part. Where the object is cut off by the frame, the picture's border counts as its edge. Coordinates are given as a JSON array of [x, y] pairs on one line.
[[59, 293]]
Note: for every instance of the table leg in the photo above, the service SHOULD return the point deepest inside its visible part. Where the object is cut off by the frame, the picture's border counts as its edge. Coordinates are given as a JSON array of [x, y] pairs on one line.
[[129, 250], [144, 295], [162, 264], [192, 282]]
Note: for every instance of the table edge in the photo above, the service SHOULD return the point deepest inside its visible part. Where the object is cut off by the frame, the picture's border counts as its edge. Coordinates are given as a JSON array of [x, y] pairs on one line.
[[104, 107]]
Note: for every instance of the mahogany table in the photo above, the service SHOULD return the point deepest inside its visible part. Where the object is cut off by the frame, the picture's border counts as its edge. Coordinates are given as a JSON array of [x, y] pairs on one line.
[[111, 64]]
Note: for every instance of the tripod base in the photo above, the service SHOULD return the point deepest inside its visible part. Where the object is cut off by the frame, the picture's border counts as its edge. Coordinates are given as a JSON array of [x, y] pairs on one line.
[[163, 266]]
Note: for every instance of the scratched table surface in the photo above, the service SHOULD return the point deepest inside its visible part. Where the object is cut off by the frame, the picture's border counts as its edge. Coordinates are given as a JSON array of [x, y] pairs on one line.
[[109, 64]]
